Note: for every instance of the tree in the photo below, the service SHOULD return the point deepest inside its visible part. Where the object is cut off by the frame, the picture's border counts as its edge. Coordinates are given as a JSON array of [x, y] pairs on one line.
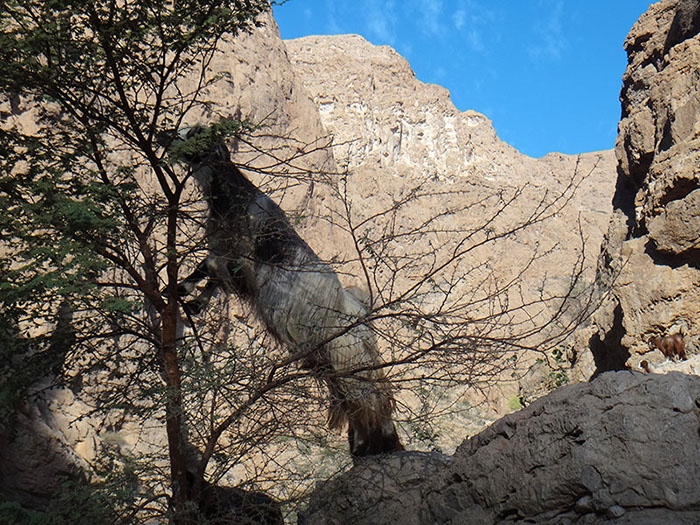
[[104, 78], [98, 218]]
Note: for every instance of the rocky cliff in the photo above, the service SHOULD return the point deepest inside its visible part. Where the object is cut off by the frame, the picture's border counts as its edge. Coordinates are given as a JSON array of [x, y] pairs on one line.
[[392, 134], [622, 448], [650, 258]]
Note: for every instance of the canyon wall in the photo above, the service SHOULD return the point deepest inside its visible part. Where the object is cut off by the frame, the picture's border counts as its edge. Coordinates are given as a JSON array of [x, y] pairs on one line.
[[392, 136], [600, 451], [393, 133], [651, 257]]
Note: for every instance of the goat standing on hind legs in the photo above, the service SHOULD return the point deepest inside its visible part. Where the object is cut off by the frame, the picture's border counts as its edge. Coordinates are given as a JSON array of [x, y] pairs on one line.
[[255, 253]]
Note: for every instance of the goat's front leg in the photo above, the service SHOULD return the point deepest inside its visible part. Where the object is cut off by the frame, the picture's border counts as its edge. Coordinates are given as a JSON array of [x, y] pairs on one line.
[[206, 269], [189, 283], [199, 303]]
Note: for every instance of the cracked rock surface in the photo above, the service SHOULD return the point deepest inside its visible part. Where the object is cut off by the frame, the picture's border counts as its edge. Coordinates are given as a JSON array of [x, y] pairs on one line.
[[621, 449]]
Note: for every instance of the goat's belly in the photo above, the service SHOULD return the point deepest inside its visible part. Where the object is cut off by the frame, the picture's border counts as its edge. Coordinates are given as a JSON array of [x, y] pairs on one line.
[[300, 307]]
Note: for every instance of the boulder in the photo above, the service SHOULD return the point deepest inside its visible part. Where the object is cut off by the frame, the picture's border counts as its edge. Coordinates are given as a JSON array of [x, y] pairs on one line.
[[382, 489], [622, 448]]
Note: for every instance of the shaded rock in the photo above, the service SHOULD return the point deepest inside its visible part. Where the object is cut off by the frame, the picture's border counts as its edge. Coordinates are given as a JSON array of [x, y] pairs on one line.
[[685, 25], [384, 489], [675, 229], [608, 352], [620, 449], [36, 454], [44, 442], [585, 453], [221, 505], [658, 143]]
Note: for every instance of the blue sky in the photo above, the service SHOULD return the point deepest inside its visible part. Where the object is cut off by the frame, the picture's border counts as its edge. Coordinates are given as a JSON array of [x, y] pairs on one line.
[[547, 72]]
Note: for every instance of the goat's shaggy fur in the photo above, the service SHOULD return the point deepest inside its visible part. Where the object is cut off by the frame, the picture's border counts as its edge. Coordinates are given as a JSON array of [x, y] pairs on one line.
[[255, 253]]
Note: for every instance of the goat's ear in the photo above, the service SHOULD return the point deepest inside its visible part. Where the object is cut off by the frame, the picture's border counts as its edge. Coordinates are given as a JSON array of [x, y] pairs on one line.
[[188, 133], [165, 138]]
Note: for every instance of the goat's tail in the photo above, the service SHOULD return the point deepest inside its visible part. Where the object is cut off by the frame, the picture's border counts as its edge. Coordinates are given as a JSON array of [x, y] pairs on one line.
[[361, 395], [371, 429]]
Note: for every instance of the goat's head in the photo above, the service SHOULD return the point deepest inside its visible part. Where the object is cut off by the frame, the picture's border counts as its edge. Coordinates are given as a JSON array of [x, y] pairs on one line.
[[199, 147]]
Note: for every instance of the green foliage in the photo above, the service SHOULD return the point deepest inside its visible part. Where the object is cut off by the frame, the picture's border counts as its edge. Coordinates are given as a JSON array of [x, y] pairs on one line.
[[514, 403], [118, 305], [559, 376], [110, 71], [14, 380], [74, 51], [75, 503], [103, 77], [559, 354], [200, 143], [13, 512], [90, 211]]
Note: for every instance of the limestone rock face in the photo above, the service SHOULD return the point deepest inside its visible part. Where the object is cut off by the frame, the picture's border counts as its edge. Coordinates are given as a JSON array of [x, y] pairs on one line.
[[658, 145], [594, 452], [651, 257], [675, 229], [393, 133], [259, 85], [389, 125]]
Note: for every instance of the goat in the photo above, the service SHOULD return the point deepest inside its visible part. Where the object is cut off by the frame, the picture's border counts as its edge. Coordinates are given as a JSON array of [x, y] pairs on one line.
[[671, 346], [645, 366], [255, 253]]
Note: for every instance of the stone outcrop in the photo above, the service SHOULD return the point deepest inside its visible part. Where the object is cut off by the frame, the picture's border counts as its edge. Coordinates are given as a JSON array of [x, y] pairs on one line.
[[620, 449], [651, 256]]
